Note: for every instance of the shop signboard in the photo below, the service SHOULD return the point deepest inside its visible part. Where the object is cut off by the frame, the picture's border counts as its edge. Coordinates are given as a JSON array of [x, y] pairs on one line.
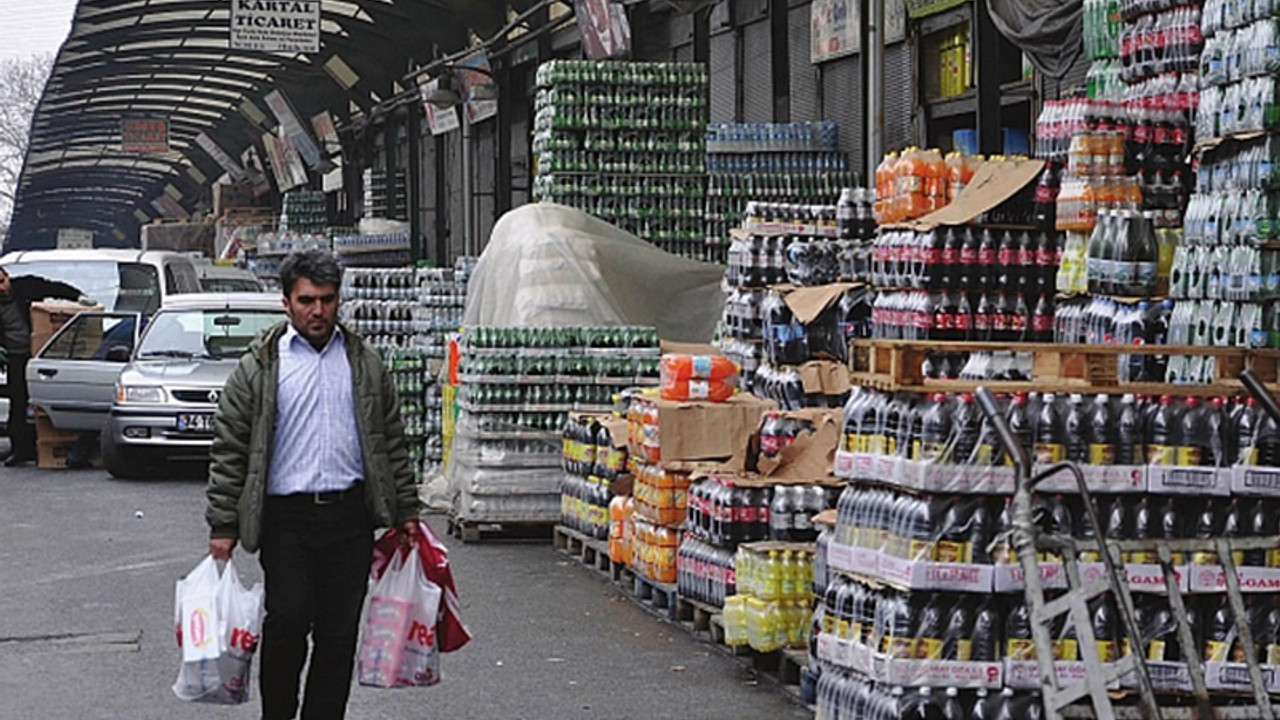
[[220, 156], [440, 120], [835, 29], [144, 135], [292, 128], [256, 171], [605, 31], [277, 155], [289, 26], [326, 132], [75, 239], [477, 110]]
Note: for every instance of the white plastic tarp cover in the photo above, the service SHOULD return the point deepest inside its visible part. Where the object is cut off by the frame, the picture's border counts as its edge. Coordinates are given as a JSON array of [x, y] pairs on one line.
[[549, 265]]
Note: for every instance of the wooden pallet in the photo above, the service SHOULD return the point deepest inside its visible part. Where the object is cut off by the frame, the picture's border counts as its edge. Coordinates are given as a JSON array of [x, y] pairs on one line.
[[893, 365], [695, 615], [587, 551], [662, 597], [472, 531]]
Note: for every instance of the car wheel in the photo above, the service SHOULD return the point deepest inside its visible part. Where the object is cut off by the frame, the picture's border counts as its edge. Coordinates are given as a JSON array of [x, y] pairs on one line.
[[122, 462]]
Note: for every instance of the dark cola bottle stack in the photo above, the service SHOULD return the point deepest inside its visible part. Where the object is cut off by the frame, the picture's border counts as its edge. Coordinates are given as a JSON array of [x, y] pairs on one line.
[[965, 283]]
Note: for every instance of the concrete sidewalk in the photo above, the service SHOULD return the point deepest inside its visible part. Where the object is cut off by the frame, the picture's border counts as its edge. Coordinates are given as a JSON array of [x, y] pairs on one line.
[[86, 622]]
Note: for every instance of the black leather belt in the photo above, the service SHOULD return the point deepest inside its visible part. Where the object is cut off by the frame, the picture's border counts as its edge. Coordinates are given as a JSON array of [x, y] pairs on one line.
[[330, 497]]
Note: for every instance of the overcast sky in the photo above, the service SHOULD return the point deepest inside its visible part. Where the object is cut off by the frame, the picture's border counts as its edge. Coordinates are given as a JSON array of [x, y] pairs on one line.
[[34, 26]]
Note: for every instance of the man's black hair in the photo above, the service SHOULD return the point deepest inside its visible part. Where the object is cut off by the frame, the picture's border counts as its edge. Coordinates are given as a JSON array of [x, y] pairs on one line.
[[318, 266]]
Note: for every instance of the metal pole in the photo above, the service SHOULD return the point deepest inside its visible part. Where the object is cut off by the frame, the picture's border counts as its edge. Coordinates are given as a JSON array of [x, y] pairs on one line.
[[875, 85], [468, 209]]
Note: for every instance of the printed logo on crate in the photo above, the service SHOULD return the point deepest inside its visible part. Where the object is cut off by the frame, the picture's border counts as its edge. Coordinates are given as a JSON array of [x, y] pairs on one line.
[[1253, 579], [1009, 577], [1235, 676], [1025, 674], [1143, 577], [1099, 478], [1255, 481], [936, 576], [1167, 480], [1165, 676], [944, 673]]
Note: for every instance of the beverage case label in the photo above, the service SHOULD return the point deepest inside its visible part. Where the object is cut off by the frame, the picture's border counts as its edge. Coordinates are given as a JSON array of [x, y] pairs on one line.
[[1025, 674], [1252, 579], [1100, 478], [1235, 676], [1255, 481], [846, 464], [1009, 577], [1189, 480], [1165, 676], [943, 673], [1143, 577]]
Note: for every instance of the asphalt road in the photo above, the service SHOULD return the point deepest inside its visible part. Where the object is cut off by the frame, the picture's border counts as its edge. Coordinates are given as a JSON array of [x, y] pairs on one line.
[[87, 566]]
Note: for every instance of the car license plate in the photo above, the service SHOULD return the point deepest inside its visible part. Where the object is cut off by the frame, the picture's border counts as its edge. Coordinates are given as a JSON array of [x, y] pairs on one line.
[[195, 422]]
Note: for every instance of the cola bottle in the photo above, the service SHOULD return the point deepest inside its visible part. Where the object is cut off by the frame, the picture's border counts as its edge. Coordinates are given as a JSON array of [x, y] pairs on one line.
[[1163, 435], [1129, 448], [1049, 433], [979, 533], [957, 640], [987, 624], [1017, 632], [1076, 447]]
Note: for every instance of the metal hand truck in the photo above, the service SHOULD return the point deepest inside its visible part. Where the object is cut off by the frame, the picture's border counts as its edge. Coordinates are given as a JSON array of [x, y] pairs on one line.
[[1063, 701]]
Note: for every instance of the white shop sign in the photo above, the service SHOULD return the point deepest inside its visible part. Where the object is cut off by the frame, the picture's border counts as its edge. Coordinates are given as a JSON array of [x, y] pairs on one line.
[[291, 26]]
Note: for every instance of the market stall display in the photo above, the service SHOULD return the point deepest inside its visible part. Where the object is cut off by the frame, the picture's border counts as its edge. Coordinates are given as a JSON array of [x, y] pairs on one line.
[[517, 389], [625, 141], [797, 163]]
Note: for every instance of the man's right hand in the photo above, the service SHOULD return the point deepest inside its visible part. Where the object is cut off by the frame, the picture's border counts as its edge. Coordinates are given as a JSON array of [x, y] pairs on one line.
[[220, 548]]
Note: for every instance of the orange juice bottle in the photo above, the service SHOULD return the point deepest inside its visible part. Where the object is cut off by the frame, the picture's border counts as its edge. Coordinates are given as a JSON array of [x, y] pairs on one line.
[[935, 178], [955, 174], [615, 527], [884, 176], [1088, 216]]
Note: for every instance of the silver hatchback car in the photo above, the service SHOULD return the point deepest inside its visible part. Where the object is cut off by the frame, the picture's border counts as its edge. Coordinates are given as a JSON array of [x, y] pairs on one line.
[[167, 394]]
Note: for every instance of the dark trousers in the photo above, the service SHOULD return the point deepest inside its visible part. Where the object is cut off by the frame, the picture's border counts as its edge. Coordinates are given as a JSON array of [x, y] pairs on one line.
[[315, 562], [22, 436]]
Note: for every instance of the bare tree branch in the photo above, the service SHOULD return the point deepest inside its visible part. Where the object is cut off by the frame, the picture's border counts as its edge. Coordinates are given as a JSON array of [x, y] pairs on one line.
[[22, 83]]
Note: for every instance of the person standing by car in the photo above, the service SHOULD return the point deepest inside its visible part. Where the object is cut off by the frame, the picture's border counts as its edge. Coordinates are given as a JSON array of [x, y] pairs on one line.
[[308, 458], [16, 296]]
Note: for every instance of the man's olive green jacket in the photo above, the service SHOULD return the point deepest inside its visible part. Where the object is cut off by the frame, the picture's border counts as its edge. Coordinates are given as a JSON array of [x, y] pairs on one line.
[[244, 431]]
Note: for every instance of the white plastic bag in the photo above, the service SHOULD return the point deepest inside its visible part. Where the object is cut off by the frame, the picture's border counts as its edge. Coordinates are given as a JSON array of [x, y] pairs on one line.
[[399, 646], [218, 623]]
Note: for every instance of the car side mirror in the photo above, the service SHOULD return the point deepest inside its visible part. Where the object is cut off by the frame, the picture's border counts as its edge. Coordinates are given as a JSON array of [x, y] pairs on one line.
[[118, 353]]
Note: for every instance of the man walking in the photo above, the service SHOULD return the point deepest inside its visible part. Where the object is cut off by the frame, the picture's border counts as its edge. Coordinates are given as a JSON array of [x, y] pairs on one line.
[[308, 459], [16, 296]]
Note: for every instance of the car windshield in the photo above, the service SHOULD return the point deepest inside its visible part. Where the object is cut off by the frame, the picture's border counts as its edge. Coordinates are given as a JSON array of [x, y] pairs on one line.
[[117, 286], [204, 333]]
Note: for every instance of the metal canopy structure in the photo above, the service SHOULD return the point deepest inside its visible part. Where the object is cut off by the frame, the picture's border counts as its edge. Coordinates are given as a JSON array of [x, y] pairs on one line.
[[171, 60]]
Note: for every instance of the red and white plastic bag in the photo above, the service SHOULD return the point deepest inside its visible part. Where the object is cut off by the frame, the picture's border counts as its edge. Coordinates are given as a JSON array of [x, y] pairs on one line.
[[399, 646], [217, 622]]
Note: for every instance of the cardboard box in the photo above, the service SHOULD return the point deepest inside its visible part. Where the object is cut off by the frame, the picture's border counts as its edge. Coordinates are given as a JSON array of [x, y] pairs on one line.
[[994, 183], [706, 431], [48, 316], [807, 460], [53, 446]]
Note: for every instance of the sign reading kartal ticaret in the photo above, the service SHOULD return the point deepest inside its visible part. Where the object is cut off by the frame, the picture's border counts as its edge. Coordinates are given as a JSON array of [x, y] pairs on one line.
[[276, 25]]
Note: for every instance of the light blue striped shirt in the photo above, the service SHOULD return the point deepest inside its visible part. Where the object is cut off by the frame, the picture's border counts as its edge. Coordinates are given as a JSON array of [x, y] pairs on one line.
[[317, 443]]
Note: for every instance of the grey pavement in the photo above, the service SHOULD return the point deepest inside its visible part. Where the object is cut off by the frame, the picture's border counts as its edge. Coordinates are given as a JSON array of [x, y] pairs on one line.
[[87, 567]]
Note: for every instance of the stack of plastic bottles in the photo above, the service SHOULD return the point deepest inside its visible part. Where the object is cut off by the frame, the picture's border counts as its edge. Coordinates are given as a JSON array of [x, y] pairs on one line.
[[660, 497], [798, 162], [771, 608], [591, 464], [917, 182]]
